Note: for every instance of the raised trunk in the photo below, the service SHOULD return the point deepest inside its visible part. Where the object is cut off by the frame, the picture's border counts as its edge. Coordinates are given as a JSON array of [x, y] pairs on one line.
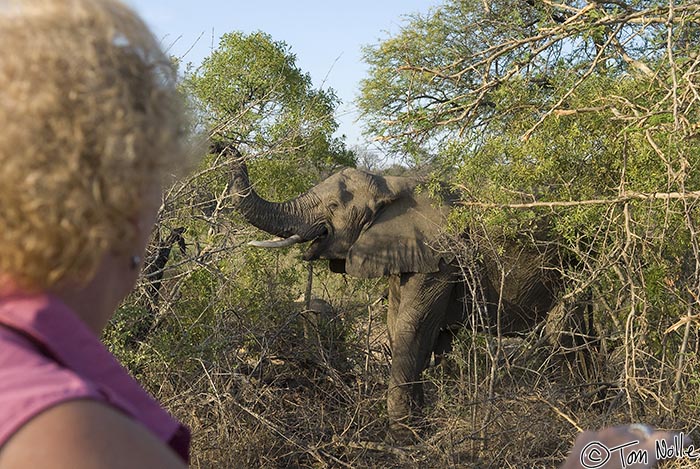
[[285, 219]]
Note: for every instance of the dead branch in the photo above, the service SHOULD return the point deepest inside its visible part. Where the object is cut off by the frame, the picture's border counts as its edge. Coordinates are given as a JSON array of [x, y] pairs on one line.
[[627, 196]]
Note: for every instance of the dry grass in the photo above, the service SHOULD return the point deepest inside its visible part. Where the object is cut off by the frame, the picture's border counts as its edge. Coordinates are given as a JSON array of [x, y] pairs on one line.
[[293, 403], [227, 354]]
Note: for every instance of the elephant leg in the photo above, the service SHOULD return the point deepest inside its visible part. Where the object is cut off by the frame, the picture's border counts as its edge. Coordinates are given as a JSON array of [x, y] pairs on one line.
[[393, 307], [454, 321], [417, 319]]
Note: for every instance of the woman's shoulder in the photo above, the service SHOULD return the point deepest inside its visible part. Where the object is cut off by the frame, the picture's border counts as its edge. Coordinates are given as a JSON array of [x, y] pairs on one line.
[[86, 434], [43, 404], [48, 356]]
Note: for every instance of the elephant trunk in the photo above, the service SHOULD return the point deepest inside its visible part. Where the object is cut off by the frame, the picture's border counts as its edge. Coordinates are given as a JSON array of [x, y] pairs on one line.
[[290, 220]]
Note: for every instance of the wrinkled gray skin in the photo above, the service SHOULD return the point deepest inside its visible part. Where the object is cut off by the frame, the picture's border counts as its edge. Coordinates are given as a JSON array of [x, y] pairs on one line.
[[369, 226]]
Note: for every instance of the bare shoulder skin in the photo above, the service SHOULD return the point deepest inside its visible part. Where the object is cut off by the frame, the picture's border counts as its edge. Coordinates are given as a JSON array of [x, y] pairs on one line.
[[85, 434]]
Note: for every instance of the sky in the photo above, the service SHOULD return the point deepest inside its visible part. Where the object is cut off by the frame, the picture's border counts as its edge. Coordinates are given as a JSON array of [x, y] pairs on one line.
[[326, 36]]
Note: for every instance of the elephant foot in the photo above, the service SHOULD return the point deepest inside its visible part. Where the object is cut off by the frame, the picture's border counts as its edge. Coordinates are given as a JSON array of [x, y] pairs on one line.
[[404, 409], [406, 423], [406, 432]]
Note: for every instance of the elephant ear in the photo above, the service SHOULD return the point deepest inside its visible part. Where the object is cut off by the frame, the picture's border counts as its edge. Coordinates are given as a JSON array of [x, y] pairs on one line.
[[402, 238]]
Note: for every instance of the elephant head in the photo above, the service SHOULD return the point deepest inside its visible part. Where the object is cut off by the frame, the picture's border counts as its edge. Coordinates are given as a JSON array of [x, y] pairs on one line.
[[366, 225]]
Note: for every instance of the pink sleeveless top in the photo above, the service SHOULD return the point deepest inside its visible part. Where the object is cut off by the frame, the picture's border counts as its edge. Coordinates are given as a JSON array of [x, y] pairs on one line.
[[48, 356]]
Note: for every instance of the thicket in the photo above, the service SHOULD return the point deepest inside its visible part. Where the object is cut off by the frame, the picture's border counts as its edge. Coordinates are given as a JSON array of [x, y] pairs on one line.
[[578, 117]]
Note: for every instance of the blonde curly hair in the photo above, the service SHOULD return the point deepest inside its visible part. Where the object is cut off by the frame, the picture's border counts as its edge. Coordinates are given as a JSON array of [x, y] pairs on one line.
[[90, 117]]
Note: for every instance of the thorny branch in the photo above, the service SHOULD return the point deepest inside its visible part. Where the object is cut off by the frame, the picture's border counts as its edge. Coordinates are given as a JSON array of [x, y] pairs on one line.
[[625, 197], [620, 34]]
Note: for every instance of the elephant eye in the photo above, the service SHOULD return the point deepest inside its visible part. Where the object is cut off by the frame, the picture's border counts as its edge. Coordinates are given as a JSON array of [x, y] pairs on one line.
[[333, 206], [380, 204]]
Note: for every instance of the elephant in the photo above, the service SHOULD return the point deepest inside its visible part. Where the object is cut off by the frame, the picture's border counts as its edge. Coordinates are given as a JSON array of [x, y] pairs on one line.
[[367, 225]]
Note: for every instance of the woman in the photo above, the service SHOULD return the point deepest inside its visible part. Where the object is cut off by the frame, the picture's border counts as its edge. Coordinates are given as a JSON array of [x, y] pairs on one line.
[[91, 125]]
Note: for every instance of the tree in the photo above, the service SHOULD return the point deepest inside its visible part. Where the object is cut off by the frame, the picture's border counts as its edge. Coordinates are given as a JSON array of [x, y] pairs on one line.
[[581, 114], [250, 92], [479, 50]]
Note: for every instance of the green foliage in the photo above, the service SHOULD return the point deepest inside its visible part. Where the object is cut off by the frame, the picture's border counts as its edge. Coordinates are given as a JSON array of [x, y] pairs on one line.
[[250, 91], [571, 126], [222, 302], [117, 335], [492, 62]]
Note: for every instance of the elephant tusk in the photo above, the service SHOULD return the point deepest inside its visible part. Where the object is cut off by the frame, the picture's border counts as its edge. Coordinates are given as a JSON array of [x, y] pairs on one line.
[[278, 242]]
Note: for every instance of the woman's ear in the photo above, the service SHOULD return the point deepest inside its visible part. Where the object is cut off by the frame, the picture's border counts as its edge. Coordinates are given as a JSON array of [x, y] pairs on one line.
[[402, 238]]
